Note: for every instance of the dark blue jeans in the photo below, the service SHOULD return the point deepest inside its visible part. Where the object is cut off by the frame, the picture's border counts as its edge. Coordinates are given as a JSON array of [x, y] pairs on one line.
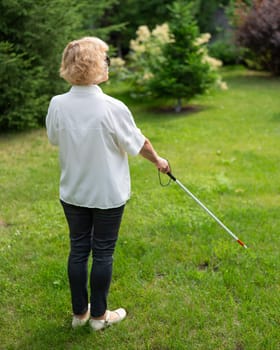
[[91, 230]]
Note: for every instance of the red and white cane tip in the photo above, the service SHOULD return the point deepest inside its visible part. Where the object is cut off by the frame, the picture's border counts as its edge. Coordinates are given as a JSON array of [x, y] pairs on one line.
[[242, 244]]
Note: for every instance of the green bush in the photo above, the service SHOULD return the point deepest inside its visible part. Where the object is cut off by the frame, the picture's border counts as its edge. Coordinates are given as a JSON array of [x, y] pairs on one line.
[[32, 37], [225, 51], [22, 101], [184, 73], [30, 47], [172, 60]]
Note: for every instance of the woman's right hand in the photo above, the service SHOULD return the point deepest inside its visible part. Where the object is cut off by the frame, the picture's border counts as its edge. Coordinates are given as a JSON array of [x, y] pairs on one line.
[[163, 165]]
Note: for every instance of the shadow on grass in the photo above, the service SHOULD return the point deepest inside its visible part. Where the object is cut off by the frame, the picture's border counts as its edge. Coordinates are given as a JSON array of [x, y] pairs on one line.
[[151, 107], [187, 110], [275, 118], [160, 113], [50, 336], [249, 78]]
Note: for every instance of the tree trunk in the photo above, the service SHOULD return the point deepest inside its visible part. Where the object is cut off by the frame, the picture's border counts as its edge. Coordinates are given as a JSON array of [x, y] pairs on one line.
[[178, 107]]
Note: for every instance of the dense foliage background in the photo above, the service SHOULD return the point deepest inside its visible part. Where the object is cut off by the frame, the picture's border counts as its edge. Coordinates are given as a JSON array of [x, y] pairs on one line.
[[33, 35]]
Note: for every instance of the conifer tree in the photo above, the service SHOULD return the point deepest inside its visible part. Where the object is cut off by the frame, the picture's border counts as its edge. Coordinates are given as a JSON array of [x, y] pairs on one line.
[[182, 71]]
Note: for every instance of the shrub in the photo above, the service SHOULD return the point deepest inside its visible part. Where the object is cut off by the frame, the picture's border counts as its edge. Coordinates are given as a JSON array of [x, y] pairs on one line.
[[259, 31], [22, 101], [225, 50], [172, 60], [30, 49], [118, 70], [146, 53], [32, 37]]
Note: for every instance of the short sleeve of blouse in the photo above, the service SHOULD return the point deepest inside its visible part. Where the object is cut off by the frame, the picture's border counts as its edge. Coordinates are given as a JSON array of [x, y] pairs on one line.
[[129, 136], [52, 122]]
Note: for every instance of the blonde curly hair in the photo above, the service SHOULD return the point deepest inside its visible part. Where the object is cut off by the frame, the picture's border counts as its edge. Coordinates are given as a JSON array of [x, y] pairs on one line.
[[83, 61]]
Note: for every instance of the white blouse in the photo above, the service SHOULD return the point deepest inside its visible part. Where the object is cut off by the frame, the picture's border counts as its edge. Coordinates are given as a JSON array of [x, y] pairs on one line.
[[94, 133]]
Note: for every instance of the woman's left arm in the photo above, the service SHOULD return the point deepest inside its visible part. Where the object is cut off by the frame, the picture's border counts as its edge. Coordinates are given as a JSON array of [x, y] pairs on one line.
[[148, 152]]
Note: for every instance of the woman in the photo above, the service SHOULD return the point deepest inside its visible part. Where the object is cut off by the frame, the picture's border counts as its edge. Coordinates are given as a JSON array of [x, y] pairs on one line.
[[94, 133]]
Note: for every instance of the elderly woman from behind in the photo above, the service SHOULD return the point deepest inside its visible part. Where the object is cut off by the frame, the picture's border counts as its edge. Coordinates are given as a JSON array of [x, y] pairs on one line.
[[94, 133]]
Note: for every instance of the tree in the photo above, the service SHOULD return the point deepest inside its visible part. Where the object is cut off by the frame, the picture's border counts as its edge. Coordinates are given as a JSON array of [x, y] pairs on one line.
[[258, 30], [32, 37], [173, 63], [133, 13], [30, 40]]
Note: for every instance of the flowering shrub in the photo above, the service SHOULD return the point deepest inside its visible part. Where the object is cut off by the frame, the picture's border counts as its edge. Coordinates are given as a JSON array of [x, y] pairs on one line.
[[214, 63], [118, 70], [172, 60], [146, 51]]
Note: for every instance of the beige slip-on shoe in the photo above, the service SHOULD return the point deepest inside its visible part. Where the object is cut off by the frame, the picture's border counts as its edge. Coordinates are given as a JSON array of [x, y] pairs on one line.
[[78, 322], [97, 325]]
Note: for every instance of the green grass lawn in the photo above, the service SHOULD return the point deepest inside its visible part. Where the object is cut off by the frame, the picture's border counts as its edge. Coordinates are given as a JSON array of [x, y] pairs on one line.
[[185, 282]]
